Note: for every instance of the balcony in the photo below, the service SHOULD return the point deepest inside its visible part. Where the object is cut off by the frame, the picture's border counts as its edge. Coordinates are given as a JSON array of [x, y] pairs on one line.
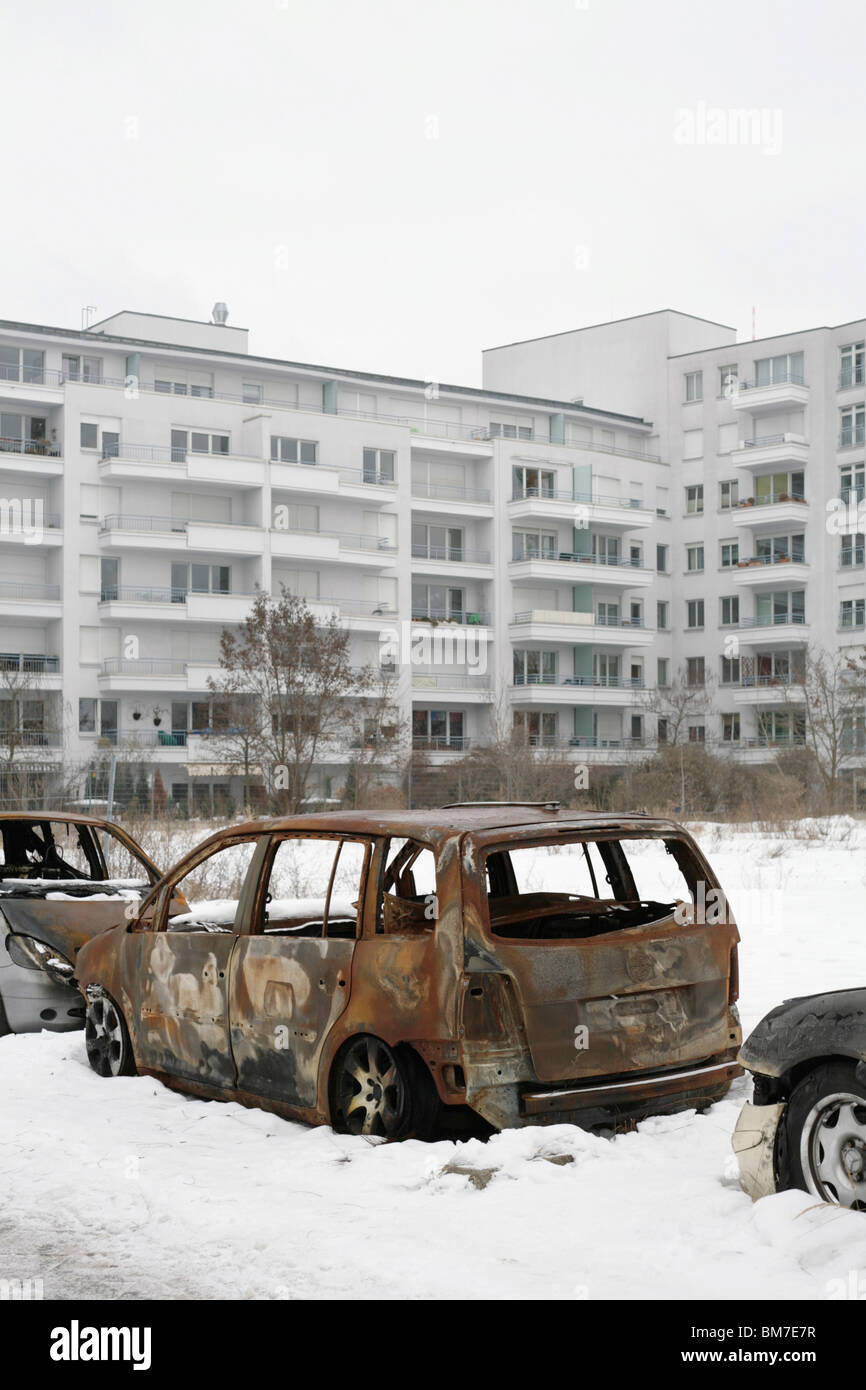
[[122, 532], [771, 452], [156, 674], [27, 600], [24, 522], [768, 690], [771, 569], [776, 509], [164, 462], [450, 499], [30, 458], [434, 616], [464, 687], [333, 480], [585, 509], [562, 625], [31, 385], [169, 745], [437, 559], [786, 394], [570, 568], [615, 691], [131, 602], [30, 671], [334, 547], [763, 748], [778, 628]]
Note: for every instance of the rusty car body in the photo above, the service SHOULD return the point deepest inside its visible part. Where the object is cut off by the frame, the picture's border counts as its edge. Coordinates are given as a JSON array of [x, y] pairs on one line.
[[513, 998], [805, 1126], [63, 878]]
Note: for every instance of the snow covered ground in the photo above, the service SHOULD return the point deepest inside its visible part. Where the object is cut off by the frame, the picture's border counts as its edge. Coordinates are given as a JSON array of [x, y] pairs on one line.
[[123, 1189]]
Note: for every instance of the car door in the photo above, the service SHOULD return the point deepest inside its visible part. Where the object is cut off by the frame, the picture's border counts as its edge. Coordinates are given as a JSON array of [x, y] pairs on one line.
[[290, 976], [182, 964]]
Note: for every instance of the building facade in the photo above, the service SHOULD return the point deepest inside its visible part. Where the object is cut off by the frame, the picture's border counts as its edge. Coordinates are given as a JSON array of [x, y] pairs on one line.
[[611, 508]]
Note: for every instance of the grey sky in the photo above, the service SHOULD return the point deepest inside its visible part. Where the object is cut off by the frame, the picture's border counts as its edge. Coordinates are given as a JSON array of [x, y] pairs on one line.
[[393, 186]]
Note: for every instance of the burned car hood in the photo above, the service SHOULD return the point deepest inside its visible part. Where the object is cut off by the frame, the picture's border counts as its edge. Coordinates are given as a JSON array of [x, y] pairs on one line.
[[800, 1029], [66, 923]]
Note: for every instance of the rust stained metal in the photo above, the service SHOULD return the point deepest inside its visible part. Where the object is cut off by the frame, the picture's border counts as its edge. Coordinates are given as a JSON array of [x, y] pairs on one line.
[[260, 1018]]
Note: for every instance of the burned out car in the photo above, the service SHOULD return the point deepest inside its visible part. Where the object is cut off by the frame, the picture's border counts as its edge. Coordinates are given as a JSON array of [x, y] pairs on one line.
[[382, 972], [63, 878], [806, 1125]]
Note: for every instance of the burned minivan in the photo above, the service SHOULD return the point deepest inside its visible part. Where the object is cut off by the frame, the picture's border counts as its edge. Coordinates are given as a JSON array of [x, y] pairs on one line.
[[382, 971]]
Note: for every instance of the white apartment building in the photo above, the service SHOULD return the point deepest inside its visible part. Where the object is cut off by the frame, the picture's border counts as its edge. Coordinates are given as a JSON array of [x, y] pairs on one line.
[[763, 439], [154, 473]]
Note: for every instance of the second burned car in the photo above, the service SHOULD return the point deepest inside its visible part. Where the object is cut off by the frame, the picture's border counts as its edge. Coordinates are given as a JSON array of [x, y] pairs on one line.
[[377, 971]]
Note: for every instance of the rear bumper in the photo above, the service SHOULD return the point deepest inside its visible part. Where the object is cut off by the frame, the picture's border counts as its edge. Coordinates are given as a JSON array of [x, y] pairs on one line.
[[754, 1143], [663, 1091], [32, 1002]]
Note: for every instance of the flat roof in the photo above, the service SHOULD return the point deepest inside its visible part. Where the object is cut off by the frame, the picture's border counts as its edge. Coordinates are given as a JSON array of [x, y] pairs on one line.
[[609, 323]]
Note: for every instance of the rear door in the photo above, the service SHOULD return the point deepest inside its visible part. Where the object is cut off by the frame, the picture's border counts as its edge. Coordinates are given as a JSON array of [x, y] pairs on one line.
[[610, 972], [291, 975]]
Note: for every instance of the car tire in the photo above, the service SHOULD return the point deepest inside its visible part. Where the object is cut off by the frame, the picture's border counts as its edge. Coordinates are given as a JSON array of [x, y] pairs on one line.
[[821, 1146], [382, 1091], [106, 1037]]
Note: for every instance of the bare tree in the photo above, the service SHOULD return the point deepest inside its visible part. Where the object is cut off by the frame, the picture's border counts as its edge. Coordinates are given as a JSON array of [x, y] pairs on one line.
[[676, 706], [28, 722], [827, 701], [300, 686]]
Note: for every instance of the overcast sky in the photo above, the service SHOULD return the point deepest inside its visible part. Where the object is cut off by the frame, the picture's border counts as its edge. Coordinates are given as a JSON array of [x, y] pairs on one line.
[[393, 185]]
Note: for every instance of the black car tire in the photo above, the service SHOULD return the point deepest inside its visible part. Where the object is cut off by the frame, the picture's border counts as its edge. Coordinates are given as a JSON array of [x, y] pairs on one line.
[[812, 1152], [398, 1099], [106, 1037]]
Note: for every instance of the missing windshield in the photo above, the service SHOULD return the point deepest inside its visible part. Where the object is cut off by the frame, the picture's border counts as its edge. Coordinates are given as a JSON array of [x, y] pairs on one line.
[[575, 889]]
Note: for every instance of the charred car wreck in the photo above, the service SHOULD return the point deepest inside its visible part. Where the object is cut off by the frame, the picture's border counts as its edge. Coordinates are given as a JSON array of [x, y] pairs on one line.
[[806, 1125], [377, 971], [63, 878]]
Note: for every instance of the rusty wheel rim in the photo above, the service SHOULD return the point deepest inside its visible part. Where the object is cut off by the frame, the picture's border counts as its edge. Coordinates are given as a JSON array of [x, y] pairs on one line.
[[103, 1036], [371, 1090]]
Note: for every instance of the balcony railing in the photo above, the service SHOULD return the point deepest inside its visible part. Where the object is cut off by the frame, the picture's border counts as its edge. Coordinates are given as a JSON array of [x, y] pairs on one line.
[[851, 623], [590, 682], [30, 738], [131, 593], [116, 521], [788, 379], [349, 540], [765, 682], [29, 663], [24, 591], [32, 376], [774, 620], [770, 741], [445, 744], [450, 492], [853, 438], [357, 607], [852, 376], [145, 666], [572, 558], [596, 499], [852, 557], [454, 554], [442, 680], [579, 619], [768, 500], [43, 447], [798, 557], [440, 615]]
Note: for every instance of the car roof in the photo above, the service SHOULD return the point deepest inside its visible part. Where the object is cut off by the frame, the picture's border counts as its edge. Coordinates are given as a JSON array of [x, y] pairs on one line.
[[68, 817], [444, 822]]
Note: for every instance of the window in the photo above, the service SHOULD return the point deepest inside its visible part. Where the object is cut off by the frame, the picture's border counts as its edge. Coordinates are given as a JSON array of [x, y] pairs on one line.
[[87, 716], [852, 487], [437, 542], [694, 558], [89, 434], [662, 616], [730, 670], [661, 559], [533, 482], [777, 487], [22, 364], [729, 437], [439, 601], [695, 673], [852, 550], [728, 379], [438, 728], [852, 612], [693, 444], [695, 612], [694, 384], [697, 733], [294, 450], [379, 465], [82, 368], [407, 904], [781, 607], [606, 669], [534, 668], [211, 887], [851, 361], [662, 671], [730, 610], [197, 442], [197, 384], [635, 554], [771, 371], [199, 579], [608, 614], [605, 549], [729, 493], [730, 728], [662, 730], [534, 545], [730, 554], [252, 393], [537, 727], [500, 430], [314, 887], [695, 498], [773, 550], [852, 429]]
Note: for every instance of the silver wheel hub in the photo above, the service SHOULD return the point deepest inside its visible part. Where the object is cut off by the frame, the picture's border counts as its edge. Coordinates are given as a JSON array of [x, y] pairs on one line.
[[833, 1150]]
